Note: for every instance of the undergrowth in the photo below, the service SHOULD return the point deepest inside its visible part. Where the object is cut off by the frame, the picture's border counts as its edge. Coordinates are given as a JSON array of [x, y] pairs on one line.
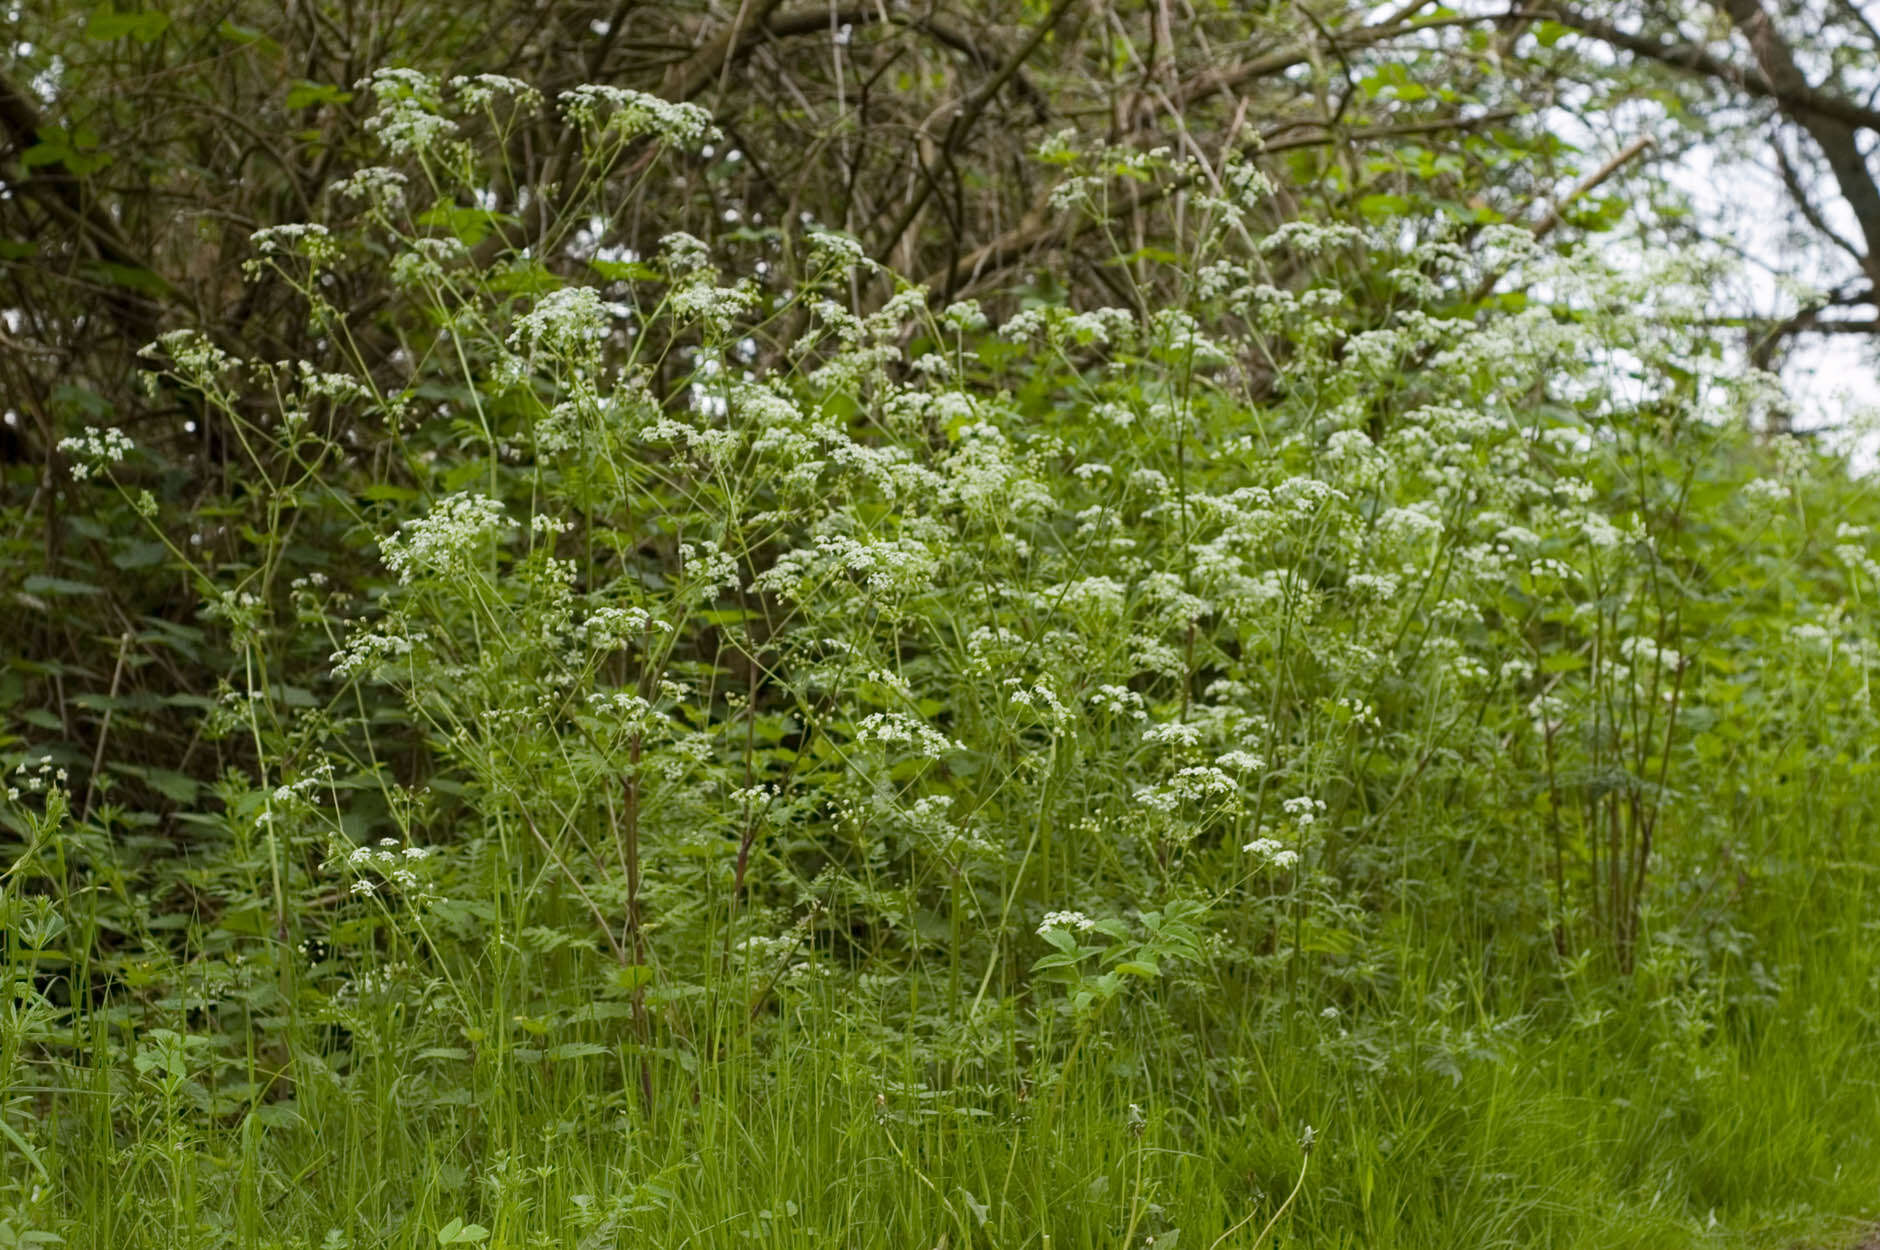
[[780, 760]]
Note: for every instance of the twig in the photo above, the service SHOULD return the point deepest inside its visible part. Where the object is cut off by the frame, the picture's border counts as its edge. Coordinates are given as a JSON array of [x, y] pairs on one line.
[[104, 727]]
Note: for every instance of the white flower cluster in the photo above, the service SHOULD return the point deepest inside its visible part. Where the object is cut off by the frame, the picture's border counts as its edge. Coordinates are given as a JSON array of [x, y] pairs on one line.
[[610, 628], [1812, 637], [44, 777], [700, 298], [964, 316], [423, 262], [406, 120], [196, 359], [388, 863], [1273, 852], [478, 91], [95, 450], [634, 113], [899, 729], [841, 252], [1070, 921], [443, 542], [620, 705], [380, 188], [1304, 811], [369, 651], [318, 384], [683, 253], [1308, 238], [569, 319], [1359, 714], [1039, 697], [1101, 595], [709, 570], [297, 792], [886, 566], [307, 240], [763, 952], [1850, 549], [1198, 784], [1118, 701], [1173, 733]]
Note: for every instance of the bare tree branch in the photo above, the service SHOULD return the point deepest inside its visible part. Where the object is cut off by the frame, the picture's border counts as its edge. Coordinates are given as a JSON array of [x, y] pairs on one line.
[[1833, 136], [1794, 93], [967, 114]]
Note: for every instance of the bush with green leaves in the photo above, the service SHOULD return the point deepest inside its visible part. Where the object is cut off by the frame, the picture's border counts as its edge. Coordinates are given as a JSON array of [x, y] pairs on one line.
[[770, 726]]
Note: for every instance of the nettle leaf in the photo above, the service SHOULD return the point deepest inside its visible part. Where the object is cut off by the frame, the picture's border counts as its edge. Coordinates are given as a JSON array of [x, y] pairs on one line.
[[171, 784], [523, 277], [45, 152], [105, 26], [630, 977], [306, 94], [135, 277], [1060, 938], [1062, 960]]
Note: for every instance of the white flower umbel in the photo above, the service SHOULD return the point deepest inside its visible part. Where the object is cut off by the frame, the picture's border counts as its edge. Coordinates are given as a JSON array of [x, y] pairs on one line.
[[444, 541], [1066, 920], [569, 319], [406, 120], [376, 186], [1273, 852], [630, 114], [899, 729], [308, 240], [95, 450], [477, 92]]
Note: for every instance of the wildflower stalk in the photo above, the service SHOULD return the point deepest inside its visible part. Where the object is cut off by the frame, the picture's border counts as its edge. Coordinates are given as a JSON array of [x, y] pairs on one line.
[[1305, 1161]]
